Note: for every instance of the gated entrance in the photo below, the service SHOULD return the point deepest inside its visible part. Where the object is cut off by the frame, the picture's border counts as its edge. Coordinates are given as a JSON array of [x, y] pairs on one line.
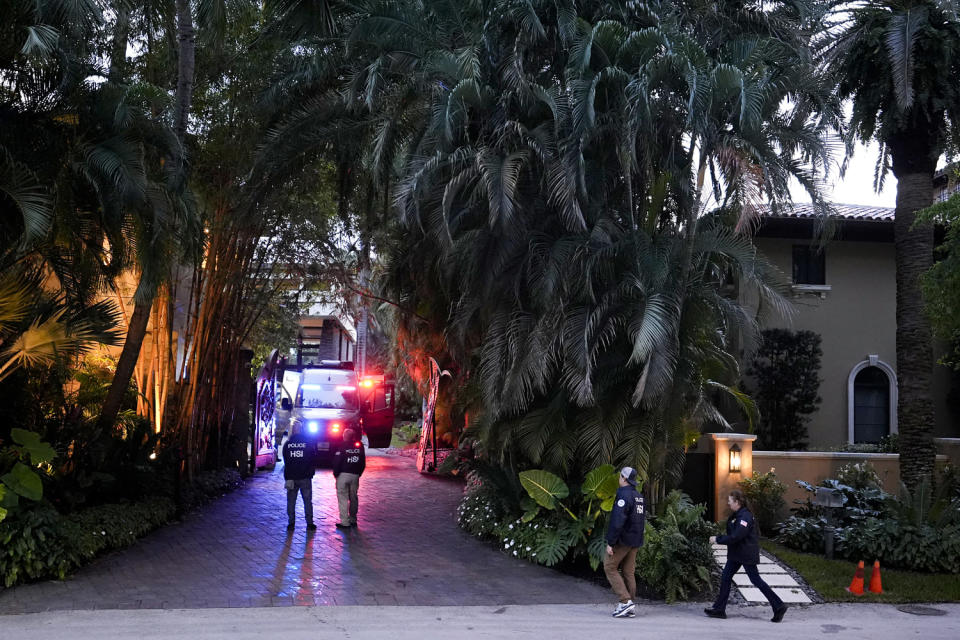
[[698, 481]]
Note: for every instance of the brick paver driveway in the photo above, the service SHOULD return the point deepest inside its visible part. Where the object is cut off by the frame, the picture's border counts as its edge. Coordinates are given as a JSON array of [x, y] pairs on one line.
[[236, 552]]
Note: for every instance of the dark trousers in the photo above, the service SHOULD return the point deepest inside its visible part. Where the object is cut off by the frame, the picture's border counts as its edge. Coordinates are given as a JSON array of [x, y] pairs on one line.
[[726, 579], [305, 489]]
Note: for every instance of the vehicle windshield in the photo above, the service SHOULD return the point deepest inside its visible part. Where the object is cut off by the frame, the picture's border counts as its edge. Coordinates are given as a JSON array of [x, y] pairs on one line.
[[327, 396]]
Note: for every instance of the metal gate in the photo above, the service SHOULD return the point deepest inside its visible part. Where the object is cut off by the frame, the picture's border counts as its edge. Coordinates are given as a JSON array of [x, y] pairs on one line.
[[265, 414], [698, 481]]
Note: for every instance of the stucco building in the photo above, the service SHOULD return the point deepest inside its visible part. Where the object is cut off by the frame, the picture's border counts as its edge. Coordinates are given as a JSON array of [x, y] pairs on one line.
[[846, 292]]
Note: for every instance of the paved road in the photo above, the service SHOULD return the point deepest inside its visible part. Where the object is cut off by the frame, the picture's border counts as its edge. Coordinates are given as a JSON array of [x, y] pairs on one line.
[[236, 552], [860, 621]]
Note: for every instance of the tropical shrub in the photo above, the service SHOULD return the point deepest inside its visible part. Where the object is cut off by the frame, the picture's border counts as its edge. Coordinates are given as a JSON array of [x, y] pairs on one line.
[[20, 464], [478, 515], [207, 486], [37, 542], [765, 494], [803, 533], [104, 466], [896, 544], [406, 433], [553, 523], [917, 530], [676, 559], [888, 444], [114, 526], [545, 521], [786, 370], [35, 545], [859, 475]]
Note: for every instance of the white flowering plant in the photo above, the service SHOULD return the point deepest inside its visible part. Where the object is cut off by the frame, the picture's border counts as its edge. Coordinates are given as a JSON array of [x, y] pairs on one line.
[[547, 525]]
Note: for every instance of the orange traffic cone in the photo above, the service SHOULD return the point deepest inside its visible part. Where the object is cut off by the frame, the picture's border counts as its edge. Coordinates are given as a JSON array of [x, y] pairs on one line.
[[875, 585], [856, 586]]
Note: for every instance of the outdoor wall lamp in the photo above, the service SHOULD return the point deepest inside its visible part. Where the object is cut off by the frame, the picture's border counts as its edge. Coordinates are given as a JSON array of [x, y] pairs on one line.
[[735, 459]]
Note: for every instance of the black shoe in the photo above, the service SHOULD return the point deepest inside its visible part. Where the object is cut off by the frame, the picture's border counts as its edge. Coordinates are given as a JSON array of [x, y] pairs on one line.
[[341, 525], [715, 613], [290, 527], [778, 614], [311, 526]]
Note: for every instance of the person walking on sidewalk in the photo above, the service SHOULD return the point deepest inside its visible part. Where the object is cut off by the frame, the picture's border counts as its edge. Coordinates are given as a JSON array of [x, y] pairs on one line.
[[299, 463], [743, 549], [349, 462], [624, 538]]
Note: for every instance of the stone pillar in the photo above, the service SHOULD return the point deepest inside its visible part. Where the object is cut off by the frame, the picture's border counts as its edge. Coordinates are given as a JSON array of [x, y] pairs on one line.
[[724, 480]]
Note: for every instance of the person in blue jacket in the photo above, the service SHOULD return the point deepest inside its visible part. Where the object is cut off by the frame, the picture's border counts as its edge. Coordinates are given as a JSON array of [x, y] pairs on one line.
[[624, 539], [743, 549]]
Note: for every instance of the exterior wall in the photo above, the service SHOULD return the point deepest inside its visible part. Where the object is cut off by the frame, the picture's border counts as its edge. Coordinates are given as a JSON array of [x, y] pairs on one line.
[[855, 319], [949, 447], [815, 466]]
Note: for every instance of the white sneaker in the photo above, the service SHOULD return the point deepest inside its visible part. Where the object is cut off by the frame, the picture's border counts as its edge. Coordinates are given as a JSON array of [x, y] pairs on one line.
[[625, 610]]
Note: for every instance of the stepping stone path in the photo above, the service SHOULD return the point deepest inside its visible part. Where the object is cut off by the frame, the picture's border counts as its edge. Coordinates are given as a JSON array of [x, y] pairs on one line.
[[783, 584]]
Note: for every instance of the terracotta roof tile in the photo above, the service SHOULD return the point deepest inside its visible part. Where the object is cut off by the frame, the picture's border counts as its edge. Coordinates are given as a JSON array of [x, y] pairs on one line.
[[840, 211]]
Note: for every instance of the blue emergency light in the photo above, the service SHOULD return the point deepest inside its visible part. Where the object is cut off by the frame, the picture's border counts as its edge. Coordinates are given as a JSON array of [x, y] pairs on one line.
[[313, 426]]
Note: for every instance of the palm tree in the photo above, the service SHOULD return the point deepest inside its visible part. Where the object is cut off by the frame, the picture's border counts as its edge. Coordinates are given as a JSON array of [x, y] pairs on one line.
[[548, 164], [82, 158], [68, 170], [897, 62]]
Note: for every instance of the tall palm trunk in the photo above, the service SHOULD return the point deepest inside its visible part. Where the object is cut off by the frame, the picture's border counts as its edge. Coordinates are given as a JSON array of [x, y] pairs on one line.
[[914, 256], [118, 48], [186, 39], [136, 331]]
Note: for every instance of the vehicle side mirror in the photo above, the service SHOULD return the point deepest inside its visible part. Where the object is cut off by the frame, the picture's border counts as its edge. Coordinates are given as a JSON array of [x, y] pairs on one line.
[[285, 404]]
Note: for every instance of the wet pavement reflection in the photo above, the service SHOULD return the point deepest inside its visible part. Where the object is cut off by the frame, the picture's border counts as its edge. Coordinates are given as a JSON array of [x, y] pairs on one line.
[[237, 552]]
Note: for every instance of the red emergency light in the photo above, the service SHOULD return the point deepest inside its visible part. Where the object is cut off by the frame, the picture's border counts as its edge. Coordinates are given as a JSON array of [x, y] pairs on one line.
[[335, 427]]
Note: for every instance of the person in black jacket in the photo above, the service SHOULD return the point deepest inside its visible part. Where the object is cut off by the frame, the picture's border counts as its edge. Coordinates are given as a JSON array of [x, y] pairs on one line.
[[624, 538], [299, 463], [743, 549], [349, 462]]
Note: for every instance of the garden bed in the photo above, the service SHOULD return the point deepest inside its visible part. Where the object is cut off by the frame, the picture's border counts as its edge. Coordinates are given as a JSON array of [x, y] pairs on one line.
[[39, 543], [831, 577]]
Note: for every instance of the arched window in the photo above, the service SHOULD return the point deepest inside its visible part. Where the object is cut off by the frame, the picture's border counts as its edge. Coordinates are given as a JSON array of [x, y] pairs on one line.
[[871, 401], [871, 405]]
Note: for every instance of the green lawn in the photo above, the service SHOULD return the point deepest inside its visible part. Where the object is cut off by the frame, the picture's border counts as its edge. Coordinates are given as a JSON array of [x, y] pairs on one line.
[[831, 577]]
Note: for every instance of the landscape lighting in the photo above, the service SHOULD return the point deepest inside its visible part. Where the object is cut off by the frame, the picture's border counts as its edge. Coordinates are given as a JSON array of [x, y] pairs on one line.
[[735, 459]]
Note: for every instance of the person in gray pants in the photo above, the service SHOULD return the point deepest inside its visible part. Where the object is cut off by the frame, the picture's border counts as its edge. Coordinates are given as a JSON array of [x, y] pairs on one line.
[[299, 463], [349, 461]]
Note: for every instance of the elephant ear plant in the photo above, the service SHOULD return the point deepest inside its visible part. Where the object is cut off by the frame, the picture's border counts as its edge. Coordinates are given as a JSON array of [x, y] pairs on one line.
[[595, 498], [19, 464]]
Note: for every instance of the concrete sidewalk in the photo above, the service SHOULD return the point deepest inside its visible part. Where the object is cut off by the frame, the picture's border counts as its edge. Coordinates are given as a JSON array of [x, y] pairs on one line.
[[577, 621]]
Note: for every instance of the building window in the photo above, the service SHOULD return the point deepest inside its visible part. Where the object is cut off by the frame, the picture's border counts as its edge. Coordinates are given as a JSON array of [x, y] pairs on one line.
[[809, 265], [871, 405]]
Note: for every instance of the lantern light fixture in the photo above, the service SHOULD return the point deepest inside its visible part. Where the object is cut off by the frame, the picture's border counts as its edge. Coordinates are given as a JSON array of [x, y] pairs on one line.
[[735, 459]]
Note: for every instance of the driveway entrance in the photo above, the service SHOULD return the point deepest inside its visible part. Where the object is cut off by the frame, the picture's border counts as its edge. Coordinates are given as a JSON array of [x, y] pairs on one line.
[[236, 552]]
